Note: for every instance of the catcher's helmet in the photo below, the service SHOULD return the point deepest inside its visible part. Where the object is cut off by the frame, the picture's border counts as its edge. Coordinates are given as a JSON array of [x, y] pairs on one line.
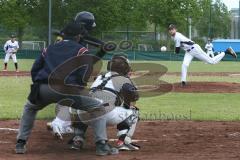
[[86, 19], [119, 64]]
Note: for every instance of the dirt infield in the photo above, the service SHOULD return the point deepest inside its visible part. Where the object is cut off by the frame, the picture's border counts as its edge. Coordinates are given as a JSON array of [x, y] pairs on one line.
[[192, 87], [13, 73], [165, 140], [207, 87], [27, 73]]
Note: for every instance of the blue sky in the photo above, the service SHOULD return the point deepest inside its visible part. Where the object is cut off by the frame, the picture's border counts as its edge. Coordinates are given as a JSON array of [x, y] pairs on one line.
[[231, 3]]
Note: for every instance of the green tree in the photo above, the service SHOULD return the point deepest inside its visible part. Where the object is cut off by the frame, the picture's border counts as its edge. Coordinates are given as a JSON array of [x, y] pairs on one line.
[[110, 14], [165, 12], [15, 16], [214, 21]]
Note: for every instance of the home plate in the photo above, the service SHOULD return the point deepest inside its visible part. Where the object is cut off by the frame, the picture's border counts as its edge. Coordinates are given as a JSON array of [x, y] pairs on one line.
[[9, 129], [133, 140]]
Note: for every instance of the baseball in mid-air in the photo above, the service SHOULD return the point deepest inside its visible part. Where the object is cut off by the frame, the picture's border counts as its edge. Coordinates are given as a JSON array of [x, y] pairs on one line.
[[163, 49]]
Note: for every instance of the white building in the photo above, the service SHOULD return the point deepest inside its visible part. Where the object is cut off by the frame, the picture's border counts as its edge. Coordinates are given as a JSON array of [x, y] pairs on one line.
[[235, 23]]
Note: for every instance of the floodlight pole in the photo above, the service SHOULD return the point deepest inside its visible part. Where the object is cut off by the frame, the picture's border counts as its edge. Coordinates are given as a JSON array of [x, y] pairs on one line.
[[210, 20], [49, 22], [190, 27], [238, 29]]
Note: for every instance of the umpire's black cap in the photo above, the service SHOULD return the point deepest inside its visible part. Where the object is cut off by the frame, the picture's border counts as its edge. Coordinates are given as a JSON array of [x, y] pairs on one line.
[[172, 26], [72, 29]]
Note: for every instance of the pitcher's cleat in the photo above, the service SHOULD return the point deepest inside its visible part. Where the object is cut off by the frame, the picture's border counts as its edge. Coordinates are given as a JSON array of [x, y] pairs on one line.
[[183, 84], [231, 52]]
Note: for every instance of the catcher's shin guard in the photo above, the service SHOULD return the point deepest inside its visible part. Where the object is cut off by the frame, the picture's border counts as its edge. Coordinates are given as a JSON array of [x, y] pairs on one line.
[[126, 131]]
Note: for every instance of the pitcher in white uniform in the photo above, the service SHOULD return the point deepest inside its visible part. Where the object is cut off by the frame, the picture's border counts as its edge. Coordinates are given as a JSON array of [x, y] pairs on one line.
[[193, 50], [209, 48], [11, 47]]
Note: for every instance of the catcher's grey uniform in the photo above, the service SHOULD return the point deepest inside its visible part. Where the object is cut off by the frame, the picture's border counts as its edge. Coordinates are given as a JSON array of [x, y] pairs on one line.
[[116, 90], [108, 88]]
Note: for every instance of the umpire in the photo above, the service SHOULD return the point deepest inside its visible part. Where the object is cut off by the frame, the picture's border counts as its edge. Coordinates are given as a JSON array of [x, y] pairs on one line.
[[49, 86]]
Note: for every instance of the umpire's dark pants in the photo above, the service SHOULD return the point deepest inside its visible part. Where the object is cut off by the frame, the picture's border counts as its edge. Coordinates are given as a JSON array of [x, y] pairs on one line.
[[47, 96]]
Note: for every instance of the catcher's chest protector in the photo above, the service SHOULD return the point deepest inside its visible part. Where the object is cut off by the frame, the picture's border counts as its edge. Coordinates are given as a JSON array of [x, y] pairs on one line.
[[107, 87]]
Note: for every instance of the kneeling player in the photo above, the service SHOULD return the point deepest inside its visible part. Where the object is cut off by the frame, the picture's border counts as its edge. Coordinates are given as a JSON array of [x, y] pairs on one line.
[[116, 89]]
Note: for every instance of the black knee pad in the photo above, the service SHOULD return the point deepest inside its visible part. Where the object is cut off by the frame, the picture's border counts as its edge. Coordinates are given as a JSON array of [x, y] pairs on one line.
[[123, 125], [128, 122]]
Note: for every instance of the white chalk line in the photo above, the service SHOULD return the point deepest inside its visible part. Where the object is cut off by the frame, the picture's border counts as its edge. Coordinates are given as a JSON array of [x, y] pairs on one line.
[[9, 129], [234, 75], [133, 140], [5, 142]]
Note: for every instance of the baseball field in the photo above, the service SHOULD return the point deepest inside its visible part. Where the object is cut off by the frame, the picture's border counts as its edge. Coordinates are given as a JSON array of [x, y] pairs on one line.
[[199, 121]]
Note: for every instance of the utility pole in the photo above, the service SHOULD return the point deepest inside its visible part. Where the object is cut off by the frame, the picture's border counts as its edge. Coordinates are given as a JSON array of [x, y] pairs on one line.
[[190, 27], [238, 28], [49, 22], [210, 21]]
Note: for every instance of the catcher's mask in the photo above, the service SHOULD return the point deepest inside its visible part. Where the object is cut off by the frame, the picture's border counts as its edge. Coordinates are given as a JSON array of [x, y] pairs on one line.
[[119, 64], [85, 19]]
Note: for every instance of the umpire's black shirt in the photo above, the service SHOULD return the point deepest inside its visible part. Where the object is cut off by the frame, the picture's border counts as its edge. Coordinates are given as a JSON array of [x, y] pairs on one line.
[[55, 55]]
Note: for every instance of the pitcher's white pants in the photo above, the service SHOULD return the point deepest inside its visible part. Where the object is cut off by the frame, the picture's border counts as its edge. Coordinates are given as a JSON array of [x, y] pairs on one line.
[[198, 53], [8, 55]]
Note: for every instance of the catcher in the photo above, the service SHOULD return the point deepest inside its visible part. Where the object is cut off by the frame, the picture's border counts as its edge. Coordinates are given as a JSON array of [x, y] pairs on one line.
[[116, 89]]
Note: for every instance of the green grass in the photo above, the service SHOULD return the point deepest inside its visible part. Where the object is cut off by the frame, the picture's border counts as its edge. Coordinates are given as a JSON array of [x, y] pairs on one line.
[[14, 92], [24, 65], [198, 66], [173, 66], [174, 106], [200, 106]]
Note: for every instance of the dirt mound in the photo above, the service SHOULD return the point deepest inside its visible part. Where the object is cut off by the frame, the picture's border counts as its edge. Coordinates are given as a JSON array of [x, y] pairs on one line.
[[192, 87], [207, 87], [138, 74], [165, 140], [221, 74]]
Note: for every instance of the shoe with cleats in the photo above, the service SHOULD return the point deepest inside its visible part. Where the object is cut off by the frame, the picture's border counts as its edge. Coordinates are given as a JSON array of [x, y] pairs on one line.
[[103, 149], [76, 143], [231, 52], [20, 146], [127, 147]]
